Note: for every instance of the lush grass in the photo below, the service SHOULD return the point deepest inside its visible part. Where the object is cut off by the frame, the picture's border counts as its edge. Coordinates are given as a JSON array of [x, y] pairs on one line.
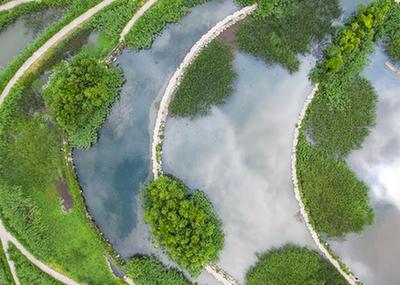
[[147, 270], [5, 273], [29, 274], [78, 7], [295, 266], [337, 122], [208, 81], [392, 30], [185, 225], [155, 19], [80, 92], [280, 32]]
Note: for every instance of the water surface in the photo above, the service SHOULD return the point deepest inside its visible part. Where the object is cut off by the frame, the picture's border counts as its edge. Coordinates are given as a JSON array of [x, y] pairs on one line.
[[113, 171], [240, 155], [374, 254], [23, 31]]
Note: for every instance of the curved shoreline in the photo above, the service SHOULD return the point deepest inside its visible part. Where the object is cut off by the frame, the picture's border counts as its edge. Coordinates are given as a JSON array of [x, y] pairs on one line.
[[158, 132], [350, 278]]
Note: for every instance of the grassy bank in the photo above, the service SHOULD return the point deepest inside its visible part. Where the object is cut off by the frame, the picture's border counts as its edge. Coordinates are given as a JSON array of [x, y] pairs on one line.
[[207, 82], [29, 274], [163, 12], [147, 270], [293, 265], [337, 122], [185, 225], [279, 31], [5, 273]]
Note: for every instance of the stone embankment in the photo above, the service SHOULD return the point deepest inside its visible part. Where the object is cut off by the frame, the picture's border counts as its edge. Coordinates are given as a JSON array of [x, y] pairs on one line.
[[392, 68], [322, 247], [158, 132]]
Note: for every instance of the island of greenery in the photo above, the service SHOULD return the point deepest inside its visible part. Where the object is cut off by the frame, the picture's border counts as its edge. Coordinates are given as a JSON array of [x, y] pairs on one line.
[[293, 265], [182, 223], [337, 122]]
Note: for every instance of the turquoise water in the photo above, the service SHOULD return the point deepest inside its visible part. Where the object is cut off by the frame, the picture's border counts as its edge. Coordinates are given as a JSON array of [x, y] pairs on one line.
[[113, 171], [18, 35]]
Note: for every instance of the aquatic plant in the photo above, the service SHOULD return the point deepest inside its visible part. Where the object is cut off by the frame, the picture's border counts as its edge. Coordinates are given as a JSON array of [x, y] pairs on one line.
[[293, 265]]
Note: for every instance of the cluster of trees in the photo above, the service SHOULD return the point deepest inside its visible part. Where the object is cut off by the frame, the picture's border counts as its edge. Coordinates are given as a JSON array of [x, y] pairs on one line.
[[147, 270], [293, 265], [27, 272], [281, 30], [155, 19], [80, 92], [337, 122], [392, 34], [208, 81], [185, 225]]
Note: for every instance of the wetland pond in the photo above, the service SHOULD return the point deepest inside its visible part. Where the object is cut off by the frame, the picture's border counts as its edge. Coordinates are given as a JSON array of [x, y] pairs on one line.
[[18, 35], [240, 155], [374, 254], [113, 171]]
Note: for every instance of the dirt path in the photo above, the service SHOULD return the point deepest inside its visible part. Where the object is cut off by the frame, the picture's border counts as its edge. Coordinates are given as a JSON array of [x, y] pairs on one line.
[[135, 17], [6, 237], [51, 43], [12, 4]]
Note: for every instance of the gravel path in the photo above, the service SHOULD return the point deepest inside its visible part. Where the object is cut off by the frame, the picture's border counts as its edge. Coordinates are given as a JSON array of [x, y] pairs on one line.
[[12, 4]]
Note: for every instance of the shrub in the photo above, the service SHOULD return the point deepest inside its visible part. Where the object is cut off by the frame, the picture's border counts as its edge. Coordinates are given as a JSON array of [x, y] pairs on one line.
[[81, 92], [293, 265], [280, 30], [184, 224], [208, 81], [147, 270]]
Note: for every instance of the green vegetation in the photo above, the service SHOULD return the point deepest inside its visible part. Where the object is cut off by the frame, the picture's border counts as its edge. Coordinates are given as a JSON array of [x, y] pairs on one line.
[[81, 92], [77, 7], [337, 122], [155, 19], [183, 224], [5, 273], [281, 30], [295, 266], [392, 30], [208, 81], [147, 270], [29, 274]]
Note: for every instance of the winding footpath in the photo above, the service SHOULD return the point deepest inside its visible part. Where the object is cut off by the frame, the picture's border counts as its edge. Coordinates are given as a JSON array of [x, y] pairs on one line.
[[12, 4], [162, 114]]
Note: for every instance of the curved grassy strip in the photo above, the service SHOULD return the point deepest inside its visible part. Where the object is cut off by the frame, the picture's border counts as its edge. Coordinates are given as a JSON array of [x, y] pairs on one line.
[[29, 274], [337, 122], [78, 7], [293, 265], [5, 273], [93, 245], [182, 223], [147, 270], [207, 82], [155, 19], [279, 31], [392, 37]]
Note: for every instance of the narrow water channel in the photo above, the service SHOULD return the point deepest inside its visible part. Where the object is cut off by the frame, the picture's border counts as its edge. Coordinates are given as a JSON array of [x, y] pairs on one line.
[[17, 36], [113, 171], [240, 155], [374, 254]]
